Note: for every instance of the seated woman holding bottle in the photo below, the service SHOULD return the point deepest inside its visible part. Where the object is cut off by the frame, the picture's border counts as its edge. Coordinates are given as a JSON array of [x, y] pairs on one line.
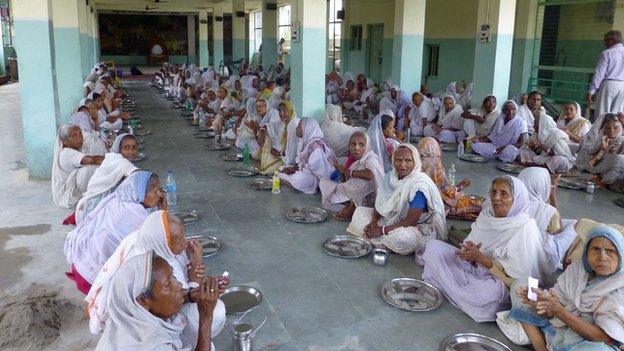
[[353, 184], [314, 159], [408, 211], [278, 140]]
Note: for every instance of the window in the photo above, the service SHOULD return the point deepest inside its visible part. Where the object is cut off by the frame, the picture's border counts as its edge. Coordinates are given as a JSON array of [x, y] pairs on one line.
[[334, 32], [356, 37], [6, 25], [434, 57], [255, 29], [283, 25]]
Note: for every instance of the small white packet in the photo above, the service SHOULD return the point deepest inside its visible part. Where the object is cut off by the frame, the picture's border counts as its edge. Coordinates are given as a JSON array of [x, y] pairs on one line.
[[532, 283]]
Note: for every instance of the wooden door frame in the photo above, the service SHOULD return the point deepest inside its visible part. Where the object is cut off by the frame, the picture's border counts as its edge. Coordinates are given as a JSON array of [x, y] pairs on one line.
[[368, 45]]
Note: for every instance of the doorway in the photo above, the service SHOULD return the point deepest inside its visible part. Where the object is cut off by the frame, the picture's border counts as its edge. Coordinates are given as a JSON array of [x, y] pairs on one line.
[[374, 52]]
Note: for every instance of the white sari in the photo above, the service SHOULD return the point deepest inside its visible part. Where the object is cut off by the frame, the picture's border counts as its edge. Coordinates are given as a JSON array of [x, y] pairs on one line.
[[336, 132]]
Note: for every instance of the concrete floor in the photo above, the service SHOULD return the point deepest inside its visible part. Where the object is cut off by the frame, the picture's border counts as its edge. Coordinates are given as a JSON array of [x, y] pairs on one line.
[[313, 301]]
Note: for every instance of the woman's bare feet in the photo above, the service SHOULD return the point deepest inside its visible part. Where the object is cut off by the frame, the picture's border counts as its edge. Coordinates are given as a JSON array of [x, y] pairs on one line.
[[346, 213]]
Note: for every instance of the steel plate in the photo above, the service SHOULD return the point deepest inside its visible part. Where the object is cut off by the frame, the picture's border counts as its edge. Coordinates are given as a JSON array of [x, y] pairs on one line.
[[510, 167], [619, 202], [411, 295], [262, 184], [448, 147], [231, 157], [219, 146], [143, 133], [473, 158], [204, 135], [243, 171], [347, 246], [306, 214], [211, 245], [240, 299], [572, 183], [187, 216], [472, 342]]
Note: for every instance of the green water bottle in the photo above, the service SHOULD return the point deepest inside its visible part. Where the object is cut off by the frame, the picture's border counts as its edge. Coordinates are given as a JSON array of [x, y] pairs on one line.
[[246, 154]]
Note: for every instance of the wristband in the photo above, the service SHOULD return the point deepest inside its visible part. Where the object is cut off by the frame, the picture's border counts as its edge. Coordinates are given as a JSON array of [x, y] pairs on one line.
[[383, 230]]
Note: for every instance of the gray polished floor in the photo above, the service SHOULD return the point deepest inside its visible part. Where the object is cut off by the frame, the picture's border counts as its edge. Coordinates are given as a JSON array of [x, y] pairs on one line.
[[312, 301]]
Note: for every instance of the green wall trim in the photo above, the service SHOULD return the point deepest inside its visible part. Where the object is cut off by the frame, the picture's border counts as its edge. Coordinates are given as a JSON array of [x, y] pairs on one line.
[[455, 62]]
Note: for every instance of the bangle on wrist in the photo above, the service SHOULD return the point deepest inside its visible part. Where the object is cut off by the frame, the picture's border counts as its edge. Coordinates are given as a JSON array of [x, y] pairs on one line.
[[383, 230]]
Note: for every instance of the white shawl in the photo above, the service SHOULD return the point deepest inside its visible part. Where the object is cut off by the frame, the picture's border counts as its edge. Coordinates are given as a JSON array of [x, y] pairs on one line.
[[276, 131], [64, 190], [336, 132], [537, 182], [554, 138], [452, 118], [394, 195]]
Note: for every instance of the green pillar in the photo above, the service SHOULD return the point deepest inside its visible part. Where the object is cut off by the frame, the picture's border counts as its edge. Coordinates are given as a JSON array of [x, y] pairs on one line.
[[204, 55], [407, 46], [269, 34], [217, 35], [308, 58], [238, 30], [34, 41]]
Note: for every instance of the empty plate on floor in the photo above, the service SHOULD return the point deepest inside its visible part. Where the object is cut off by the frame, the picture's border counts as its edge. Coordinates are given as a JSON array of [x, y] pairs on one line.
[[448, 147], [306, 214], [187, 216], [240, 299], [177, 106], [204, 130], [411, 295], [472, 158], [204, 135], [572, 183], [231, 157], [139, 157], [347, 246], [262, 184], [510, 168], [218, 146], [211, 245], [143, 133], [243, 171], [619, 202], [472, 341]]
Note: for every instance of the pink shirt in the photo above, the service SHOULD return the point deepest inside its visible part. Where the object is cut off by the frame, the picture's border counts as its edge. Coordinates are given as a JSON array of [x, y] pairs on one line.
[[610, 67]]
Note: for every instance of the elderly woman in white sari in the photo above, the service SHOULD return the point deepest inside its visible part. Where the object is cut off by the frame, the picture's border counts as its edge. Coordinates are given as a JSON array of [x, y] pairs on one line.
[[449, 127], [228, 111], [277, 95], [314, 159], [116, 166], [278, 141], [548, 147], [504, 244], [367, 96], [353, 184], [144, 306], [408, 211], [94, 142], [336, 132], [162, 234], [604, 156], [531, 111], [573, 124], [508, 134], [95, 239], [422, 112], [71, 168], [584, 310], [257, 114], [383, 138], [479, 123]]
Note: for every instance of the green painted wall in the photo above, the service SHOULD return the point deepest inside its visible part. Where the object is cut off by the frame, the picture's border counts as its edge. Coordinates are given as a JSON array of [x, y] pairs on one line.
[[142, 59], [456, 61]]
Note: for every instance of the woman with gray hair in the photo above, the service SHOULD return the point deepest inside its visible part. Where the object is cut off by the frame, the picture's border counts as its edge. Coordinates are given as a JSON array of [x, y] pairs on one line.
[[71, 168]]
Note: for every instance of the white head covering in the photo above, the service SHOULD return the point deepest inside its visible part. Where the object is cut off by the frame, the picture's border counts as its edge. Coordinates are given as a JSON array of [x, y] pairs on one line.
[[553, 137], [537, 182], [451, 118], [515, 240], [394, 195], [312, 140], [378, 141], [507, 134], [336, 132]]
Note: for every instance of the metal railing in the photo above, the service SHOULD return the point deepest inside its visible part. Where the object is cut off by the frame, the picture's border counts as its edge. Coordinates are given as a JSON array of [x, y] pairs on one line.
[[562, 84]]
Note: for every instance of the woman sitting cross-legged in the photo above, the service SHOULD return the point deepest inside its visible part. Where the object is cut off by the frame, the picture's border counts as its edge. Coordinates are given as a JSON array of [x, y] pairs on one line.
[[277, 140], [95, 239], [163, 234], [507, 136], [314, 159], [504, 244], [585, 309], [144, 305], [449, 127], [353, 184], [456, 203], [408, 211]]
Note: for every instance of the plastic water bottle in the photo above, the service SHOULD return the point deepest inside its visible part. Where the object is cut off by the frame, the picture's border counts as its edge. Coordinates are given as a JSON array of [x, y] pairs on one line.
[[172, 195], [246, 154], [451, 174], [460, 149], [276, 184], [469, 145]]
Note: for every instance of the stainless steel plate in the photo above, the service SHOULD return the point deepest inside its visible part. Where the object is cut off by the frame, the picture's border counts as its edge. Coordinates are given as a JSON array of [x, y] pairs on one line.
[[211, 245], [510, 168], [186, 113], [472, 342], [218, 146], [476, 197], [619, 202], [187, 216], [262, 184], [231, 157], [572, 183], [415, 138], [204, 135], [176, 105], [143, 133], [240, 299], [411, 295], [243, 171], [448, 147], [347, 246], [140, 157], [472, 158], [306, 214], [203, 130]]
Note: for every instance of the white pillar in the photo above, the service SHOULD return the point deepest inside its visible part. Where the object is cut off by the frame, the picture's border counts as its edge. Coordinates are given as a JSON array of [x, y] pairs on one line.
[[204, 55], [238, 30], [190, 27], [40, 114], [308, 58], [217, 35], [269, 34], [523, 44], [407, 46], [492, 64]]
